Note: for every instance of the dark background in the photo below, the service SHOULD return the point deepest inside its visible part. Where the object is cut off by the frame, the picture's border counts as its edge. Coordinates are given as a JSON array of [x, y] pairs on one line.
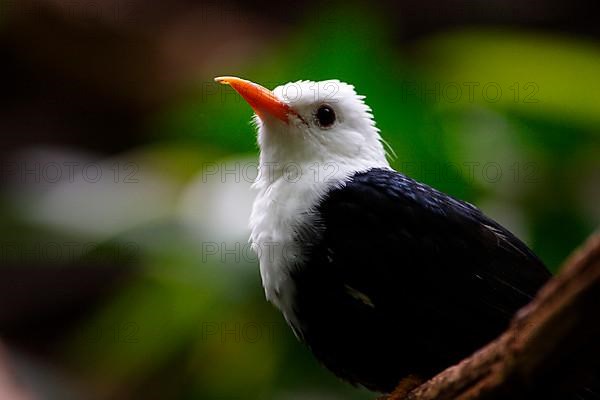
[[125, 170]]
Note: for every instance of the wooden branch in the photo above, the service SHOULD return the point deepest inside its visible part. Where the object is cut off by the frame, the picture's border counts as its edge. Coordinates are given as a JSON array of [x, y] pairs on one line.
[[551, 346]]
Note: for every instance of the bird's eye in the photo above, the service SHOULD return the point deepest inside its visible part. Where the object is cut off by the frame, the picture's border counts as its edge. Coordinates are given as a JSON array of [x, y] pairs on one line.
[[325, 116]]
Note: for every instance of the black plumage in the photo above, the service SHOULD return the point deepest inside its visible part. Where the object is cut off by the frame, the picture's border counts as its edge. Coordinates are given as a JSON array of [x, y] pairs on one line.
[[402, 279]]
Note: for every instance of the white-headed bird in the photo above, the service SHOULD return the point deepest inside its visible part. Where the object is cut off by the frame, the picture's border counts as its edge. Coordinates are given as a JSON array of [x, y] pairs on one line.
[[382, 277]]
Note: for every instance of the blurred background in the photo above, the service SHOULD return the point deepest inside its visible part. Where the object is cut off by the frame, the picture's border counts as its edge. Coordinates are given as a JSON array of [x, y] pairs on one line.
[[125, 172]]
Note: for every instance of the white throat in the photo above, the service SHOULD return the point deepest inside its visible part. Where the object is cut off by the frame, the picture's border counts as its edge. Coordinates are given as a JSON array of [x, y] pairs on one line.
[[298, 165], [288, 194]]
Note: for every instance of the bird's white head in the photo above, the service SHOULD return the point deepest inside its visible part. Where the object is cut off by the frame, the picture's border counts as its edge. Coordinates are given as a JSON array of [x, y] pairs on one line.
[[304, 126], [312, 136]]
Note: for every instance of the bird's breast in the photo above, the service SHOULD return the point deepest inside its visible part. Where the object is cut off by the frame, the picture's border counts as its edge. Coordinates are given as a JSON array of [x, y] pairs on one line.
[[280, 211]]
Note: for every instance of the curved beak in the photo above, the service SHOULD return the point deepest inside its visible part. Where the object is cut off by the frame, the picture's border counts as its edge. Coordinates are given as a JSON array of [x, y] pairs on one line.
[[261, 99]]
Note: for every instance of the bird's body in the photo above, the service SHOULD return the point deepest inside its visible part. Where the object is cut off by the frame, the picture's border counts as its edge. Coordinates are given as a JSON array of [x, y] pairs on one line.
[[360, 261], [399, 279], [381, 276]]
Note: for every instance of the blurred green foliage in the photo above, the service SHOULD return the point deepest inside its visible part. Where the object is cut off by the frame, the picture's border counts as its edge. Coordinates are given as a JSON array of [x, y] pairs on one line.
[[162, 335]]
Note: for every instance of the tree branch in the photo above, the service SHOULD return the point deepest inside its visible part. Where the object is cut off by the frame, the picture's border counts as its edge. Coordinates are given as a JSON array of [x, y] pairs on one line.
[[551, 346]]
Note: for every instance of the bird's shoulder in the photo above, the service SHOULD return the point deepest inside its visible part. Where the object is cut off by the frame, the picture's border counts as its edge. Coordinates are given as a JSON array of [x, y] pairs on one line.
[[390, 225], [401, 194], [392, 201]]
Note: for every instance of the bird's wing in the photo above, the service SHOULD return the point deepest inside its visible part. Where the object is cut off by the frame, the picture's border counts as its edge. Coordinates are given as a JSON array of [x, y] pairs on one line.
[[398, 245]]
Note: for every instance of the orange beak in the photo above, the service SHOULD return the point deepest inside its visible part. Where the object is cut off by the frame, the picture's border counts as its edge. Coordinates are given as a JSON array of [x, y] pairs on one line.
[[261, 99]]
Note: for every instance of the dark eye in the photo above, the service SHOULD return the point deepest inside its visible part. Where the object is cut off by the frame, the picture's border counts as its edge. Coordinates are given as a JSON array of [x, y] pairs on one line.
[[325, 116]]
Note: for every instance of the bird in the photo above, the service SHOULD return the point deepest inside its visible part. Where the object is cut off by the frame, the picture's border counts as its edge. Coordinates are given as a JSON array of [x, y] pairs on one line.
[[382, 277]]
